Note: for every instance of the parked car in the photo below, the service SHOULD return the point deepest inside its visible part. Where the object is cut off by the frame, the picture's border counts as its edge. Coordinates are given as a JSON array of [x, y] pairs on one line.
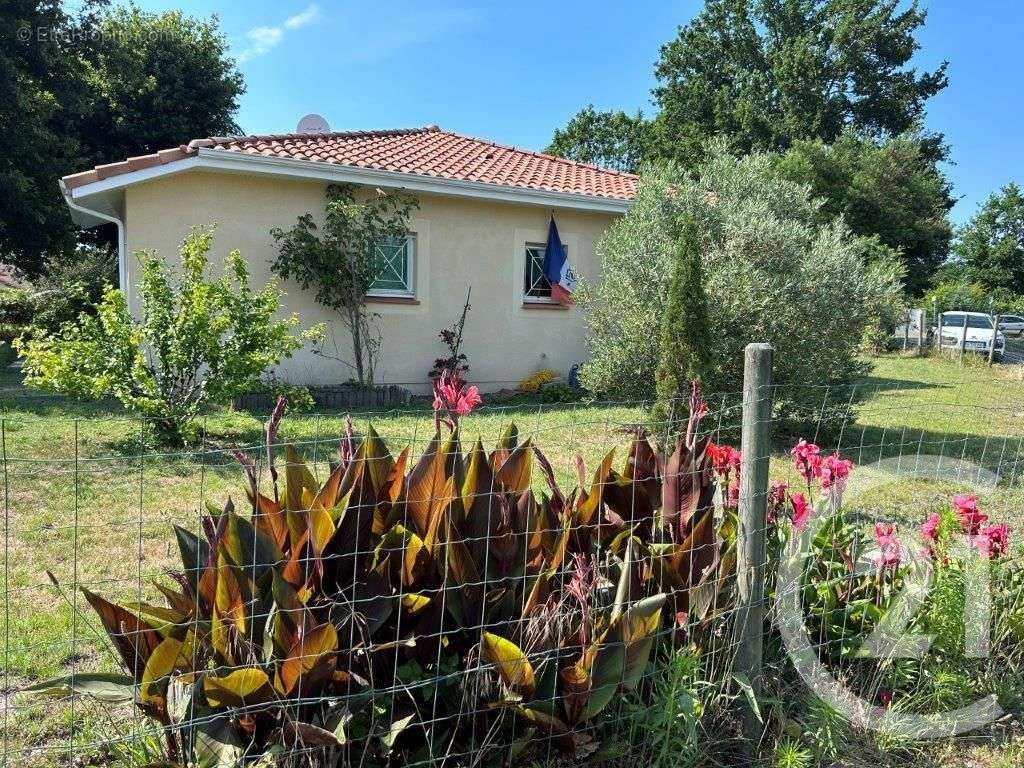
[[980, 333], [1012, 325]]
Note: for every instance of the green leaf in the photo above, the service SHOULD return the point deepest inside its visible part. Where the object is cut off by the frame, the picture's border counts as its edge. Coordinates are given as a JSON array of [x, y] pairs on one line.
[[111, 688], [748, 690], [237, 689], [397, 726], [195, 553], [513, 666], [217, 745]]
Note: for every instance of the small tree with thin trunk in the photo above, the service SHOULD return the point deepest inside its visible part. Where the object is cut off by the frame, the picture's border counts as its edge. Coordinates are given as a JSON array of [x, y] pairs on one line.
[[337, 260]]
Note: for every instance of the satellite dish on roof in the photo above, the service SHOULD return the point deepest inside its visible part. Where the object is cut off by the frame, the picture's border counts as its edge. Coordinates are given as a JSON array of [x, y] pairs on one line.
[[312, 124]]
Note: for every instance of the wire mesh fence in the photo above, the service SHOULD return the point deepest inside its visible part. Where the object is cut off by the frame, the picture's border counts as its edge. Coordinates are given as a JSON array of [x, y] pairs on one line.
[[371, 591]]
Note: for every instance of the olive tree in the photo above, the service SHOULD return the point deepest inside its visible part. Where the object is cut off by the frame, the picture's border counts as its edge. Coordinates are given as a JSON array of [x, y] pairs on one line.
[[197, 341], [772, 271]]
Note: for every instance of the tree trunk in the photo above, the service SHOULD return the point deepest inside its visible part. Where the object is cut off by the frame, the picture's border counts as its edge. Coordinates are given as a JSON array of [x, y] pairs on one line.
[[355, 320]]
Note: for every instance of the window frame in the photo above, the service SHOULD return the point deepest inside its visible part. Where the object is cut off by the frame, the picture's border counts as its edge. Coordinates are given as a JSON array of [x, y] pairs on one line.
[[411, 249], [526, 296]]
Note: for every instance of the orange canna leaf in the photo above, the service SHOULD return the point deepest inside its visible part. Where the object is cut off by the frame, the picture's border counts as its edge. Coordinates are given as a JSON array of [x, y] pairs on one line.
[[310, 661], [134, 639]]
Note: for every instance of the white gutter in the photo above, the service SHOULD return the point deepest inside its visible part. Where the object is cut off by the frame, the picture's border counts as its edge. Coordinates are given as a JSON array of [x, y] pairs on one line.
[[224, 160], [92, 213]]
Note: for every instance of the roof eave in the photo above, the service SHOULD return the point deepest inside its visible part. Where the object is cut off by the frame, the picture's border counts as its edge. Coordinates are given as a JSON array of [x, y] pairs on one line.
[[236, 162]]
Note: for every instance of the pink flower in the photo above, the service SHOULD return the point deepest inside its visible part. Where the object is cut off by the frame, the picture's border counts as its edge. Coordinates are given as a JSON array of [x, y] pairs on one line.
[[971, 517], [451, 394], [724, 458], [801, 511], [888, 545], [885, 696], [834, 471], [992, 541], [807, 459], [930, 533]]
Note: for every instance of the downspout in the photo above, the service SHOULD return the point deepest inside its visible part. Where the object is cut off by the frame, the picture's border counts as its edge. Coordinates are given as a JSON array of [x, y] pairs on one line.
[[122, 276]]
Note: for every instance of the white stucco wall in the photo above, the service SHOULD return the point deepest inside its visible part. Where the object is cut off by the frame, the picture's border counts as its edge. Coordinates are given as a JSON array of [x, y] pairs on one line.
[[460, 243]]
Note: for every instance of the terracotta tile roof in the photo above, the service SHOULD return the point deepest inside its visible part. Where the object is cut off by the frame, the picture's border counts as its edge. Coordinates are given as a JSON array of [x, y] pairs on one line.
[[422, 151]]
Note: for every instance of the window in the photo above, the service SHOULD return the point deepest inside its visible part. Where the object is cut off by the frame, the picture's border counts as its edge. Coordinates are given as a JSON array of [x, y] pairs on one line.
[[535, 285], [956, 320], [393, 263]]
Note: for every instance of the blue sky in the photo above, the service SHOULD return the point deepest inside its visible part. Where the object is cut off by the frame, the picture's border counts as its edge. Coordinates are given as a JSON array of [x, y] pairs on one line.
[[515, 71]]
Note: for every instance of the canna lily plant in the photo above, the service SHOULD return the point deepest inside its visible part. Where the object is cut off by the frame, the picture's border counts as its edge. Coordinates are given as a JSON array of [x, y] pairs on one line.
[[400, 610]]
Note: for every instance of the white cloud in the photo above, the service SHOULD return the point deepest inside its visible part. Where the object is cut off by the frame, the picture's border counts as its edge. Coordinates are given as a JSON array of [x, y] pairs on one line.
[[304, 19], [261, 40]]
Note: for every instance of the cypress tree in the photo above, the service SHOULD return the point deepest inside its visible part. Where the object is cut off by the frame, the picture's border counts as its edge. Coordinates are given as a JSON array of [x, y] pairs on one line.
[[685, 348]]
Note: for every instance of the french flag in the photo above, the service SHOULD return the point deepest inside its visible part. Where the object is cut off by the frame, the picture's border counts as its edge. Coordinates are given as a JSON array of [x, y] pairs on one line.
[[557, 269]]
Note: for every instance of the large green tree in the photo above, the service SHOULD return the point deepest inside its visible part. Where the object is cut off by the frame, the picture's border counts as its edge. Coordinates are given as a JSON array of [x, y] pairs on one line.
[[766, 73], [889, 189], [159, 79], [991, 245], [612, 140], [91, 88], [38, 80]]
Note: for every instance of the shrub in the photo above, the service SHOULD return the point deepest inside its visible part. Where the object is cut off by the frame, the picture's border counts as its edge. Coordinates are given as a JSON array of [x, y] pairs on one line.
[[15, 312], [72, 285], [960, 294], [557, 392], [772, 273], [198, 341], [533, 383], [395, 613]]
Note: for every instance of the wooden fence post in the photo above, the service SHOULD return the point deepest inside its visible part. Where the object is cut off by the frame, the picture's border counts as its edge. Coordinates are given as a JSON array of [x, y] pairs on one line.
[[753, 502], [963, 339], [920, 331]]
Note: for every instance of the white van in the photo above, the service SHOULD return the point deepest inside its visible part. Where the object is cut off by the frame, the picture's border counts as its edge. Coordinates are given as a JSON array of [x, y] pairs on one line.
[[980, 333]]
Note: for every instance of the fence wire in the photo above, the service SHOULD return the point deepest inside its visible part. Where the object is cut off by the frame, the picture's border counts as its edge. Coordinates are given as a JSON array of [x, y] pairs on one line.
[[528, 598]]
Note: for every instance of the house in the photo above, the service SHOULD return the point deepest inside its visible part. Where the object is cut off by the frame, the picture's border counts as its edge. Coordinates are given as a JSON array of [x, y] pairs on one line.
[[482, 223]]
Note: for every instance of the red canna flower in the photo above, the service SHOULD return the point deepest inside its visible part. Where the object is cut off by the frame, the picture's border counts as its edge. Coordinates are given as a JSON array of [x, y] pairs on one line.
[[992, 541], [930, 533], [801, 511], [888, 555], [724, 459], [833, 471], [807, 459], [453, 396], [971, 517]]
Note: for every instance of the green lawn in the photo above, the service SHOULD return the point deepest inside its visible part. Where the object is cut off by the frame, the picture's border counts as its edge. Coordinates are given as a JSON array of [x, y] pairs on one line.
[[85, 499]]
